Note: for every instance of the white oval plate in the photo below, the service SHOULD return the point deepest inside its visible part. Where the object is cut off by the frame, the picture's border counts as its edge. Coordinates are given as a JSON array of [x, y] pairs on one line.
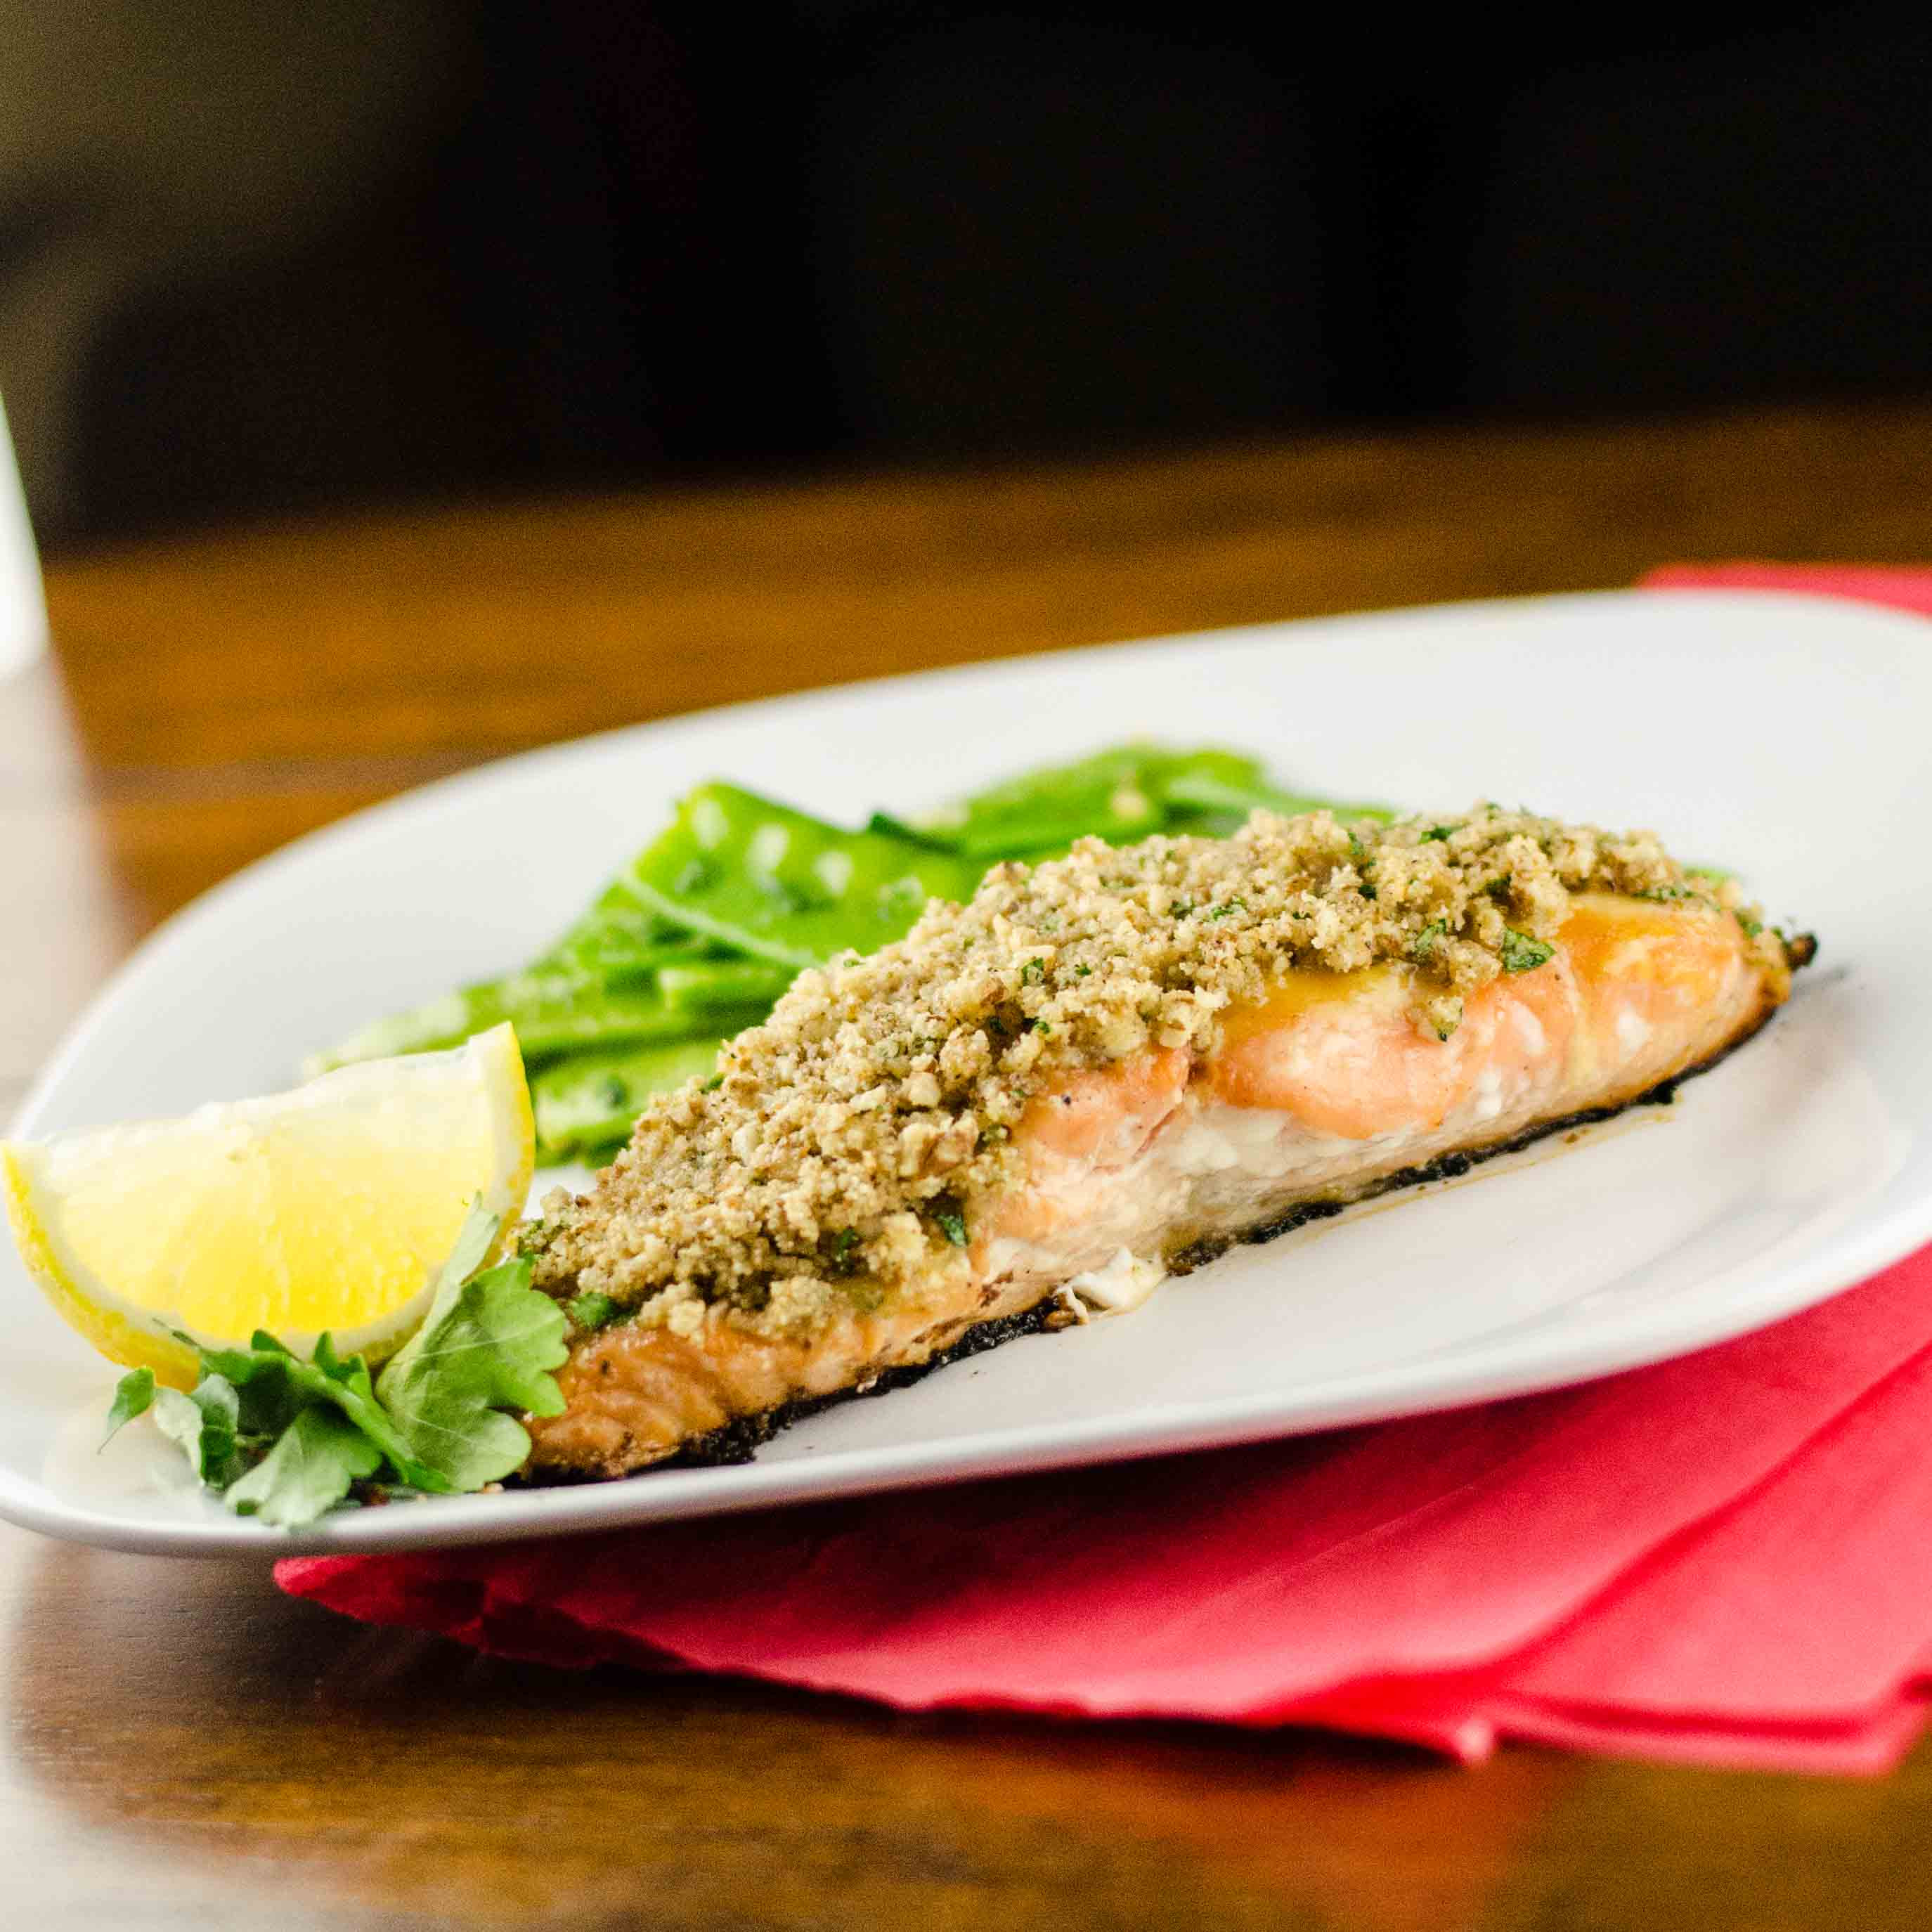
[[1737, 725]]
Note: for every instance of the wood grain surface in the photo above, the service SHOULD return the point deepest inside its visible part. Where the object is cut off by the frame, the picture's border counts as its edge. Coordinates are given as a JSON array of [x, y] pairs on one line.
[[180, 1748]]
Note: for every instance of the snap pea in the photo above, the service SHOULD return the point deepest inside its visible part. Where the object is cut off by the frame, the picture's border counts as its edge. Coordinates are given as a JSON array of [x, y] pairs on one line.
[[1120, 794], [553, 1014], [618, 939], [704, 984], [774, 882], [589, 1103], [1224, 803], [447, 1020], [566, 1020]]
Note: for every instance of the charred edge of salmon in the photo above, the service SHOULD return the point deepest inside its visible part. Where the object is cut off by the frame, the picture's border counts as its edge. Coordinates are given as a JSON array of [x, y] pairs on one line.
[[740, 1439]]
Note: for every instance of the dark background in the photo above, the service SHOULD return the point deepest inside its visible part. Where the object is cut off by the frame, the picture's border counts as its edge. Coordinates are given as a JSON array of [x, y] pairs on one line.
[[604, 244]]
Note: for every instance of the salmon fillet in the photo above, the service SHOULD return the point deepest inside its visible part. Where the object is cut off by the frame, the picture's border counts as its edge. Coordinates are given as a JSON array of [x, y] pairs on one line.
[[1102, 1071]]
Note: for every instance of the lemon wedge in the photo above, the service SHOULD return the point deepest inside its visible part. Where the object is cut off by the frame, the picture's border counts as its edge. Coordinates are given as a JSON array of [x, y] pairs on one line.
[[329, 1208]]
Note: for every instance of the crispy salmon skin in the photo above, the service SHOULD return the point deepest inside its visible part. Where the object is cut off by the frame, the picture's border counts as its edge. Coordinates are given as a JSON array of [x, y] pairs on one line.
[[1099, 1069]]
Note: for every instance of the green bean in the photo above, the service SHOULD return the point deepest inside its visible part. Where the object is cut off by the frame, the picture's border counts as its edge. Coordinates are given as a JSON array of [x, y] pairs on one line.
[[590, 1101], [770, 881]]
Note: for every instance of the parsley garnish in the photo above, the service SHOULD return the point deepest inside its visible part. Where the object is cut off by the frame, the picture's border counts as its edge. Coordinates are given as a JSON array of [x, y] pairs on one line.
[[286, 1439], [1033, 972], [133, 1395], [1231, 906], [1180, 909], [1520, 953], [1437, 832], [952, 1225]]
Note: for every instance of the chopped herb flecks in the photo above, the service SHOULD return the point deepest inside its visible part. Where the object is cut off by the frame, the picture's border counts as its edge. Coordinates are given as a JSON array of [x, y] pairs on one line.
[[1426, 941], [1520, 953], [591, 1310]]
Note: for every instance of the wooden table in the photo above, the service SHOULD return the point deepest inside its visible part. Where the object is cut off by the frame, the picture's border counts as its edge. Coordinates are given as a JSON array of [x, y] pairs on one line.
[[180, 1748]]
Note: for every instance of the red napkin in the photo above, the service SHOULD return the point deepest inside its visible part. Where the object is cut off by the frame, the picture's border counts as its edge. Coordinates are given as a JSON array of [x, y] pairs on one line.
[[1722, 1558], [1906, 590]]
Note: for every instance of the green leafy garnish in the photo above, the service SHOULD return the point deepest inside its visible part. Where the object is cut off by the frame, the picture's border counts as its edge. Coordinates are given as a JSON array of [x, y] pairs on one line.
[[1520, 953], [133, 1395], [487, 1345], [206, 1425], [953, 1226], [287, 1440], [310, 1467]]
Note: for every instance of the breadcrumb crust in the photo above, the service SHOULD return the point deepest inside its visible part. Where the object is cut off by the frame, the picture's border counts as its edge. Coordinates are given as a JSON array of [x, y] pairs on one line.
[[841, 1154]]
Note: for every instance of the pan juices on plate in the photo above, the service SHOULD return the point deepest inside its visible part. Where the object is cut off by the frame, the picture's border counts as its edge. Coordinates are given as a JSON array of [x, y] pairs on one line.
[[1103, 1069]]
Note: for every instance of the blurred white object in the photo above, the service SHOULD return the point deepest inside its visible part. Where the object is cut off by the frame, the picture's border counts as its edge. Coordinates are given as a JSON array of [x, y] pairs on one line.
[[23, 611]]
